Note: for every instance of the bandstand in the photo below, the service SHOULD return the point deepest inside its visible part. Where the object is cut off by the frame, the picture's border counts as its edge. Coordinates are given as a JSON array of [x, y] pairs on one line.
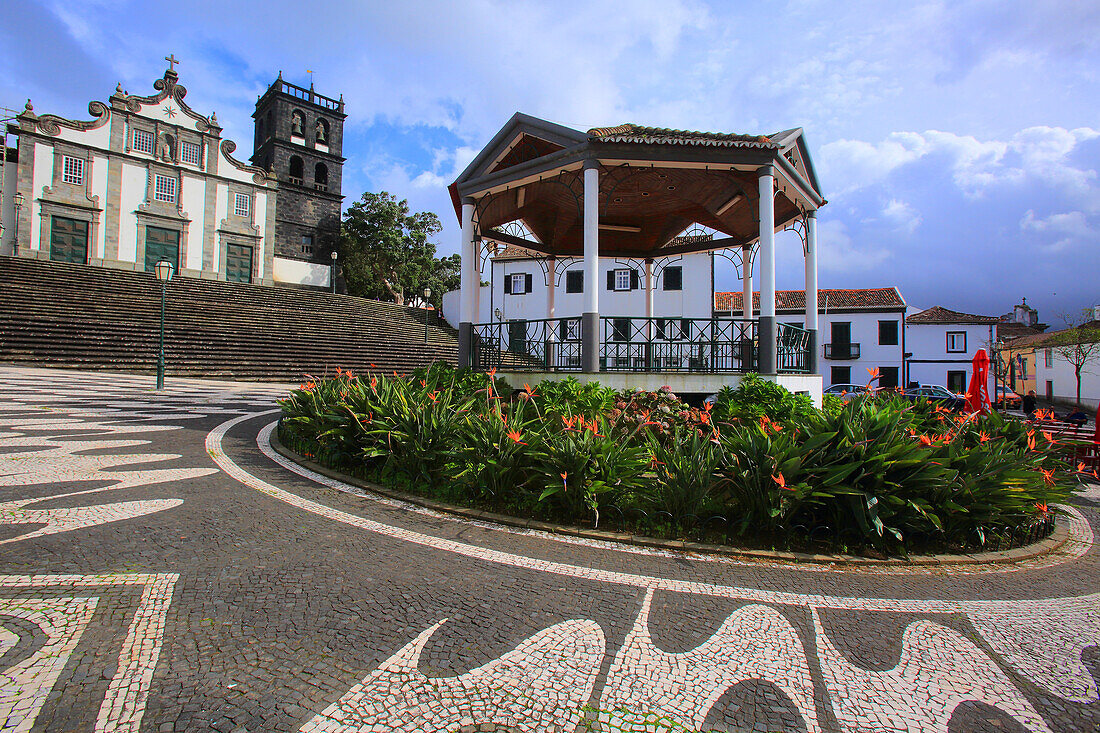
[[641, 195]]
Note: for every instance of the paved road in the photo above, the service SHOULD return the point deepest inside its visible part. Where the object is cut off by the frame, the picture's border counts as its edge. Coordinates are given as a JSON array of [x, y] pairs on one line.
[[162, 569]]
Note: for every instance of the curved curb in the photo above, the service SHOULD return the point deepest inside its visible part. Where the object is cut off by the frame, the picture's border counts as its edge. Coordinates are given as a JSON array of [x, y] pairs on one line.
[[1050, 544]]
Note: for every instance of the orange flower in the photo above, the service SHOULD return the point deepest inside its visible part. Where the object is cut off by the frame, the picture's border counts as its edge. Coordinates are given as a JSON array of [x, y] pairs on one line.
[[1048, 476], [1080, 468], [569, 422], [925, 440], [339, 371], [1048, 436], [527, 388], [492, 372], [714, 435], [564, 480], [1041, 507], [373, 382], [1031, 440], [983, 437], [515, 435], [873, 372], [423, 383], [434, 396], [781, 481], [348, 374]]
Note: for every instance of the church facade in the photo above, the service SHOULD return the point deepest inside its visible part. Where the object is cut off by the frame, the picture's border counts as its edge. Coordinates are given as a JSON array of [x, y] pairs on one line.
[[148, 178]]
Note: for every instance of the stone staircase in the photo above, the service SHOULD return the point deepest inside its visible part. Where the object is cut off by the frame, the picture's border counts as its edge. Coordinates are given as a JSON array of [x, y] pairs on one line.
[[80, 316]]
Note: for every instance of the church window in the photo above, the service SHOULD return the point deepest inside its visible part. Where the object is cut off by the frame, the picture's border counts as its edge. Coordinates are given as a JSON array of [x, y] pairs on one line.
[[296, 170], [297, 124], [242, 205], [320, 177], [164, 189], [322, 131], [143, 141], [191, 153], [307, 244], [73, 171]]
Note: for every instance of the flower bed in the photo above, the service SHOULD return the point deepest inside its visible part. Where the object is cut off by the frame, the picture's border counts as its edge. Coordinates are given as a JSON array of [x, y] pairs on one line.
[[762, 468]]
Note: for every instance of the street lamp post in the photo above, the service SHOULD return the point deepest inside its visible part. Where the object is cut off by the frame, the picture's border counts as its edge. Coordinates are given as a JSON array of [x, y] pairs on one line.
[[163, 270], [427, 294], [332, 256], [17, 199]]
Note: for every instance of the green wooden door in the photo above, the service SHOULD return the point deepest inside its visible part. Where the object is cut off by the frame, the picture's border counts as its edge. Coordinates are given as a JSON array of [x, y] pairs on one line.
[[161, 244], [68, 240], [238, 263]]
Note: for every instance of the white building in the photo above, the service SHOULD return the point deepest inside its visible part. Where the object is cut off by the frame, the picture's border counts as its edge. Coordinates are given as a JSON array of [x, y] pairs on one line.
[[943, 344], [1054, 373], [861, 330], [148, 178]]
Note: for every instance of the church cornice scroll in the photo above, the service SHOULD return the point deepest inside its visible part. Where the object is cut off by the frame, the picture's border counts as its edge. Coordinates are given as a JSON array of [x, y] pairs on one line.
[[259, 175], [51, 124]]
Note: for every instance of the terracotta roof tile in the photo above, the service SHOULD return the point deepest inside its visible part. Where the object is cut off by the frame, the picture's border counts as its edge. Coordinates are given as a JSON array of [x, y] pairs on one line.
[[795, 300], [631, 133], [515, 252], [939, 314]]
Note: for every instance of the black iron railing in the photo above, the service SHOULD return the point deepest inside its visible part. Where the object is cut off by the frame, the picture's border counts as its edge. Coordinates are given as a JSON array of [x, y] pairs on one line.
[[841, 351], [552, 344], [630, 344], [792, 349], [637, 344]]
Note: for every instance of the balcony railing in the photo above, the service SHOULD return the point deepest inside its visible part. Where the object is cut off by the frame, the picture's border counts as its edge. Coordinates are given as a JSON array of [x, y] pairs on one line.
[[841, 351], [634, 344]]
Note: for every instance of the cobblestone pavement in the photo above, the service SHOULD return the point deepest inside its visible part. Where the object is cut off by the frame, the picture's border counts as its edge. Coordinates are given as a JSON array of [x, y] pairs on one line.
[[162, 569]]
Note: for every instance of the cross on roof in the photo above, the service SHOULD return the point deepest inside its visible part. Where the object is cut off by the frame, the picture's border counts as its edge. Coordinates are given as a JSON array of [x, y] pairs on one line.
[[172, 61]]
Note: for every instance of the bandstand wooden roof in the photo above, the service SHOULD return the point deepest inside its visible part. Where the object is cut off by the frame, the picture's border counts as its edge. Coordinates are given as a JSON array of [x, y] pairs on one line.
[[655, 185]]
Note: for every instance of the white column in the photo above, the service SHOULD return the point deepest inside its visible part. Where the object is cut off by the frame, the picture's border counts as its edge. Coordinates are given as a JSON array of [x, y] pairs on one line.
[[468, 282], [768, 355], [811, 289], [590, 321], [746, 283], [649, 295], [551, 291], [811, 271], [475, 257]]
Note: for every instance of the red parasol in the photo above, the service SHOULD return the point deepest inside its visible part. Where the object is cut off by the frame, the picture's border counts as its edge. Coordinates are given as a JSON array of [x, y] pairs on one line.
[[977, 397]]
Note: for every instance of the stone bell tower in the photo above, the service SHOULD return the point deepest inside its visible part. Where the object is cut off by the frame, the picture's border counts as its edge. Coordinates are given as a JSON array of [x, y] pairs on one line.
[[299, 136]]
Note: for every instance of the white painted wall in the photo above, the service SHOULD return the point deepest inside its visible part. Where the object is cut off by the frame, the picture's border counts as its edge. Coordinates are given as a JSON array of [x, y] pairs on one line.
[[865, 332], [931, 361], [1064, 382], [693, 301], [134, 178], [99, 188], [301, 273], [193, 202], [42, 175], [221, 211], [7, 208], [100, 137]]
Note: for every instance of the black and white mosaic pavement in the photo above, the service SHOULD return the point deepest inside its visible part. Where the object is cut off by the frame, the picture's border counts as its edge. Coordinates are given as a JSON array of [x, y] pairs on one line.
[[162, 569]]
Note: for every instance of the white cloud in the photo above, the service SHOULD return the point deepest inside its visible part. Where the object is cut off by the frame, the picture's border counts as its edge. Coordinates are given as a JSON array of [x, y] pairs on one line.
[[1069, 229], [839, 253], [901, 216], [1040, 153]]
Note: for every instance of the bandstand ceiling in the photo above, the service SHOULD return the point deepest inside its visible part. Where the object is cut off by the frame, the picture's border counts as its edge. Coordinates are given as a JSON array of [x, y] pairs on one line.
[[654, 185]]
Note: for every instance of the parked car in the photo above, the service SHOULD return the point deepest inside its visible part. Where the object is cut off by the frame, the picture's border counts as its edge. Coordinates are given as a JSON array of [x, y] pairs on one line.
[[1007, 399], [846, 391], [937, 393]]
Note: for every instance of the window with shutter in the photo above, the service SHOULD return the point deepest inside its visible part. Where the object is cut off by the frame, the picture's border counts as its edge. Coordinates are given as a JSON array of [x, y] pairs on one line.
[[672, 278], [574, 281], [526, 283], [621, 279], [633, 279]]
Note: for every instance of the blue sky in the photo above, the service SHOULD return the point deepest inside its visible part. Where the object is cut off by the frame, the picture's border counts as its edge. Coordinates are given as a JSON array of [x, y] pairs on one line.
[[957, 142]]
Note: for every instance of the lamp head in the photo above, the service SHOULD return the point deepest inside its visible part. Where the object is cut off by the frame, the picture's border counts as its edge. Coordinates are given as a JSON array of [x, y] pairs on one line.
[[18, 200], [164, 270], [333, 255], [427, 293]]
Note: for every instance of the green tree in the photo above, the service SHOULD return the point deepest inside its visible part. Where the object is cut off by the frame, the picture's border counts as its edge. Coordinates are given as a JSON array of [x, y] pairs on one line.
[[388, 254], [1079, 345]]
